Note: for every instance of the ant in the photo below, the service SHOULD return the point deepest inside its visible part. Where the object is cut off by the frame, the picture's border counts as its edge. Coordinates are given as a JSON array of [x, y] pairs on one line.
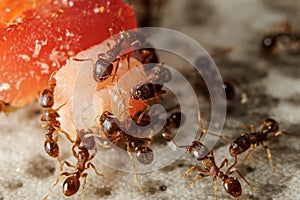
[[113, 131], [202, 153], [285, 35], [84, 142], [103, 67], [249, 141], [146, 92], [50, 116], [255, 138]]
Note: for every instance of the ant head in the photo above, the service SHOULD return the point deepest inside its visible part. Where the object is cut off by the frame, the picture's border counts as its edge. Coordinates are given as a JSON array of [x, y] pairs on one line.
[[71, 185], [144, 155], [269, 125], [142, 91], [47, 98], [87, 140], [232, 186], [198, 150]]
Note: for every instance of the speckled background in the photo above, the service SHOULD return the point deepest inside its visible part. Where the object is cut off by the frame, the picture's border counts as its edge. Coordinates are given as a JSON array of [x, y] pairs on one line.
[[272, 86]]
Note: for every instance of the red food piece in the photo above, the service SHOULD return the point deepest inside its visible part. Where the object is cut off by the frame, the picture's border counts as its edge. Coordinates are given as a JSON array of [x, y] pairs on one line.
[[32, 49]]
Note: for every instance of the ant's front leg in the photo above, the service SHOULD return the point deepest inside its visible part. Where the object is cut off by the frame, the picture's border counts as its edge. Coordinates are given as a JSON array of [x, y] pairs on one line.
[[269, 156]]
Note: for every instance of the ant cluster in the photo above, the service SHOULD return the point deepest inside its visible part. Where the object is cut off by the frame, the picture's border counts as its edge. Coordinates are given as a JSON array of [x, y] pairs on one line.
[[116, 132], [110, 128]]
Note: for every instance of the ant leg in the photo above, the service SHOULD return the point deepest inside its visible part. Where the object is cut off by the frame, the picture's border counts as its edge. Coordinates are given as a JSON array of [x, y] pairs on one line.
[[143, 113], [225, 162], [197, 177], [203, 131], [66, 163], [95, 169], [191, 169], [67, 135], [250, 150], [269, 156], [84, 176], [135, 170], [233, 169], [56, 182], [235, 161], [216, 187]]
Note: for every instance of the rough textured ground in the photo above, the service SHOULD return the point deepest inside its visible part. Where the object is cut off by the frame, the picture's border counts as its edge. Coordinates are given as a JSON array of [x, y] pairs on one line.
[[272, 87]]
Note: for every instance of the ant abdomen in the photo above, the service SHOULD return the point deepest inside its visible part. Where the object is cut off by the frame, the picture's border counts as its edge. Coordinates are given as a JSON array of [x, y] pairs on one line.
[[232, 186], [144, 155], [51, 148], [71, 185]]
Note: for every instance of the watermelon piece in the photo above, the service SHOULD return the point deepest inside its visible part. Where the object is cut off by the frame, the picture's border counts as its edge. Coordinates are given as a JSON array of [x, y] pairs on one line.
[[39, 44]]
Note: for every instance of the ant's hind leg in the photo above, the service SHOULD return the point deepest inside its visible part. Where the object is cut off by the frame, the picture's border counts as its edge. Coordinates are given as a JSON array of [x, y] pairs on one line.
[[216, 187], [56, 182], [84, 176], [135, 170], [269, 156]]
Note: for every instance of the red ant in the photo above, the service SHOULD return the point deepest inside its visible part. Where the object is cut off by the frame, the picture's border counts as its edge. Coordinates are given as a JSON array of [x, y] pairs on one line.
[[249, 141], [201, 153], [84, 142], [50, 116], [103, 67], [112, 130], [252, 140], [146, 92]]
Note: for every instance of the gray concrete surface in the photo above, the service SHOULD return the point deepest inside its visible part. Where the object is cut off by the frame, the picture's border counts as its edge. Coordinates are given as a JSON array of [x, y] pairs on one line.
[[272, 87]]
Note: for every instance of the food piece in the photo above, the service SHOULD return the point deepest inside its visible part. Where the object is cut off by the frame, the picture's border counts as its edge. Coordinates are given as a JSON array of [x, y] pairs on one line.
[[32, 48], [11, 9], [85, 99]]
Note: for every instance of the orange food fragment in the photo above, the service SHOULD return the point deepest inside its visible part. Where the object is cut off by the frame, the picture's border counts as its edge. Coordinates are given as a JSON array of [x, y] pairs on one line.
[[47, 36]]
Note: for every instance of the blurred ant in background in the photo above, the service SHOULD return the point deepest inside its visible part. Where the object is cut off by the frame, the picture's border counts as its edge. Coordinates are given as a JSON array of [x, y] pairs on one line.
[[202, 153], [283, 36], [85, 142]]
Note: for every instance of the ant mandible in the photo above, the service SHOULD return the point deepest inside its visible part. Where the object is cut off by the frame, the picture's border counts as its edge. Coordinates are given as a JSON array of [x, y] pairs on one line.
[[85, 142], [50, 116], [201, 153], [112, 130]]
